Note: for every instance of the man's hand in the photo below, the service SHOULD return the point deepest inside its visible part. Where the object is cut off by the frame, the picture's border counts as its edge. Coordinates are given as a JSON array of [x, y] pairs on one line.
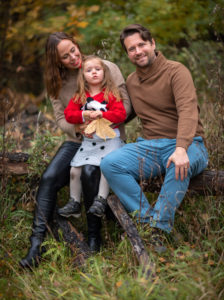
[[181, 161]]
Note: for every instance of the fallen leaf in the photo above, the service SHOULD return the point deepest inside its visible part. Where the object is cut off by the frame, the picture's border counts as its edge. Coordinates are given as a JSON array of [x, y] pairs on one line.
[[119, 283]]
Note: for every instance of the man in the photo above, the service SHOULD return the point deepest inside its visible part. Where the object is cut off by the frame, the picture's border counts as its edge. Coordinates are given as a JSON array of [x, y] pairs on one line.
[[164, 98]]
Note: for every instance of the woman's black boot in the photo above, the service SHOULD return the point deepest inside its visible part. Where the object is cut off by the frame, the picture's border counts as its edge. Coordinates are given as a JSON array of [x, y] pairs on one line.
[[54, 178], [33, 256], [44, 209], [90, 179]]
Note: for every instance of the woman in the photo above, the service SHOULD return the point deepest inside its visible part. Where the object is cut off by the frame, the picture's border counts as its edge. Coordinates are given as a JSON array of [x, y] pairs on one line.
[[63, 60]]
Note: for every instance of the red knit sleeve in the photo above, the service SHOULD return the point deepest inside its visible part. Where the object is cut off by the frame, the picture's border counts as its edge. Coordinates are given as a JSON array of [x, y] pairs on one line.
[[115, 111], [73, 114]]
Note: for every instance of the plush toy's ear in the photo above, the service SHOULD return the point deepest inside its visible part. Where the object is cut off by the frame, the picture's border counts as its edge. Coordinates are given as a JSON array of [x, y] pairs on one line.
[[89, 99]]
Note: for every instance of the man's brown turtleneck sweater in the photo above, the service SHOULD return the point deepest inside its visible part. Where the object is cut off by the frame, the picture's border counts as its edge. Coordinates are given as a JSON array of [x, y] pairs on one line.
[[164, 98]]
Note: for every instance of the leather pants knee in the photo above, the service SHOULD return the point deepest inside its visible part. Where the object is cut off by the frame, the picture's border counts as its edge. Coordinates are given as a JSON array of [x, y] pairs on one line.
[[53, 179]]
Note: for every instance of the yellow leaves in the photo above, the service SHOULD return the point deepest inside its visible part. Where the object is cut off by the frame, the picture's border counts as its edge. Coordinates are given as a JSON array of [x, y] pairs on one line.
[[118, 284], [82, 24], [77, 16], [162, 259], [99, 22], [57, 22], [211, 262], [101, 127], [34, 13], [94, 8]]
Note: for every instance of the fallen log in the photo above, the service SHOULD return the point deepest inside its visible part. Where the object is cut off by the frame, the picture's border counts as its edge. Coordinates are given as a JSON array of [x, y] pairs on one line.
[[14, 163], [72, 237], [132, 233], [209, 182]]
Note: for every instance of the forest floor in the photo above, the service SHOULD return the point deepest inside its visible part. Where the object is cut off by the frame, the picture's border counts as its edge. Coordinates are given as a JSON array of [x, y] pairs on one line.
[[192, 267]]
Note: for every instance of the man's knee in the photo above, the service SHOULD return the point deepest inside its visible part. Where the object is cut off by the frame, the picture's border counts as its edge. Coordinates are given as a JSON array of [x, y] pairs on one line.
[[106, 163]]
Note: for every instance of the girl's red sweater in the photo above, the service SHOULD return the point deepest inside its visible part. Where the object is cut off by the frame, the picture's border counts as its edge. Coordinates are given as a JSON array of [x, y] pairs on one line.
[[115, 110]]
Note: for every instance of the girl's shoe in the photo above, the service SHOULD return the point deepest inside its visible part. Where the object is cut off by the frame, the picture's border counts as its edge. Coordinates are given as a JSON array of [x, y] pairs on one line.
[[71, 209], [98, 207]]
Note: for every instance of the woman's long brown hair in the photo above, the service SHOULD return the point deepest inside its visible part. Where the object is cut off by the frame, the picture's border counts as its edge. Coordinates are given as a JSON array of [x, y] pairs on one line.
[[107, 84], [55, 72]]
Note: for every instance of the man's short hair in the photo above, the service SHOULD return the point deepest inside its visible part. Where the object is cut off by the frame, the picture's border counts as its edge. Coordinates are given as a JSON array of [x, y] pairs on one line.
[[132, 29]]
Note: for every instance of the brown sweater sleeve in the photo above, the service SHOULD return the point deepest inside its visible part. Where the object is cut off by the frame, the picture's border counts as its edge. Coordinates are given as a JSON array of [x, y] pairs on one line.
[[186, 104], [60, 118], [120, 83]]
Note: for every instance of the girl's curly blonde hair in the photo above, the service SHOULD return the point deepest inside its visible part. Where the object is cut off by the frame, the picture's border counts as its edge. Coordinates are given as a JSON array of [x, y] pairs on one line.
[[107, 84]]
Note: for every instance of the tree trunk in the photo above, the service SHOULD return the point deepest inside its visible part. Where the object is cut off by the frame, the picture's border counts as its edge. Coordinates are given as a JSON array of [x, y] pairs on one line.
[[131, 230], [73, 238]]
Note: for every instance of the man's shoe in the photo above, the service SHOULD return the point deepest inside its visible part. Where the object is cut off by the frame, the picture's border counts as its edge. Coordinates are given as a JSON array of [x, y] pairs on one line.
[[98, 207], [71, 209]]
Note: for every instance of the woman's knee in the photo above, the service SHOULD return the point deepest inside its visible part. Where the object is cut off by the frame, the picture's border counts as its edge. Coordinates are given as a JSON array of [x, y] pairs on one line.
[[49, 176]]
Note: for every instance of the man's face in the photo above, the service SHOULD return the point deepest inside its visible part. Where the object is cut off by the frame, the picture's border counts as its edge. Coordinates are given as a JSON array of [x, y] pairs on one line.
[[141, 53]]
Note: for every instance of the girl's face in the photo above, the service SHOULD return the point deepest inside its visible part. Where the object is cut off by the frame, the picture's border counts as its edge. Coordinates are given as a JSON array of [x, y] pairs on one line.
[[69, 54], [93, 72]]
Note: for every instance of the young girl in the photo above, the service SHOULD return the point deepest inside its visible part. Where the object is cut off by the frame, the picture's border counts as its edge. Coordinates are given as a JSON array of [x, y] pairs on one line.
[[97, 97]]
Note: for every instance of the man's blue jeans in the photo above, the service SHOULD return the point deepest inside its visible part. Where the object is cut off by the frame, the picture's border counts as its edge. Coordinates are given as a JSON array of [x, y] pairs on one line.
[[145, 159]]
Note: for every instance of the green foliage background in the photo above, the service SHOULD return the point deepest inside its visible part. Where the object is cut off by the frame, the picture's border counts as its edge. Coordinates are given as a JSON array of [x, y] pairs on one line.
[[192, 268], [25, 25]]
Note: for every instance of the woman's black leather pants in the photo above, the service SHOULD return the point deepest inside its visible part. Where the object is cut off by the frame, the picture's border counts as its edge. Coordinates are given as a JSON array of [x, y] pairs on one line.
[[55, 177]]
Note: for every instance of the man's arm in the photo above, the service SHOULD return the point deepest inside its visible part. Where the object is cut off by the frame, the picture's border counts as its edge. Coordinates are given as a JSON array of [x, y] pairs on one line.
[[187, 110]]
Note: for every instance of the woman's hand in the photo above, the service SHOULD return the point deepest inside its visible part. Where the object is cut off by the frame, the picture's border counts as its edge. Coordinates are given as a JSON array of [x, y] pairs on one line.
[[81, 129]]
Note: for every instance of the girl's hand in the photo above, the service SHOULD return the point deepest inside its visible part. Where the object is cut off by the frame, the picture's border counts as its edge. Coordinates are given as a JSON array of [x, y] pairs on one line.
[[86, 115], [95, 115]]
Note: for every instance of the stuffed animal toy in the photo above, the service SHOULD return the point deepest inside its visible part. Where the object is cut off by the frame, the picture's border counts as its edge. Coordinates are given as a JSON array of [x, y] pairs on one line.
[[100, 126], [92, 104]]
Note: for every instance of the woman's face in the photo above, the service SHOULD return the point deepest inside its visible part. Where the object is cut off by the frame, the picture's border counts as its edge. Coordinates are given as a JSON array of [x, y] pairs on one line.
[[69, 54]]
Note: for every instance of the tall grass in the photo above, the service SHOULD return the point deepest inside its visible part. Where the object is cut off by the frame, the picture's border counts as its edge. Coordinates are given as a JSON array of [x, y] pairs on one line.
[[191, 268]]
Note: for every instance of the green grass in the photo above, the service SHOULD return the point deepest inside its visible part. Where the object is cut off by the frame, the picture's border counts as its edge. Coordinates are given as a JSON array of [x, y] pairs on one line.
[[191, 268]]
